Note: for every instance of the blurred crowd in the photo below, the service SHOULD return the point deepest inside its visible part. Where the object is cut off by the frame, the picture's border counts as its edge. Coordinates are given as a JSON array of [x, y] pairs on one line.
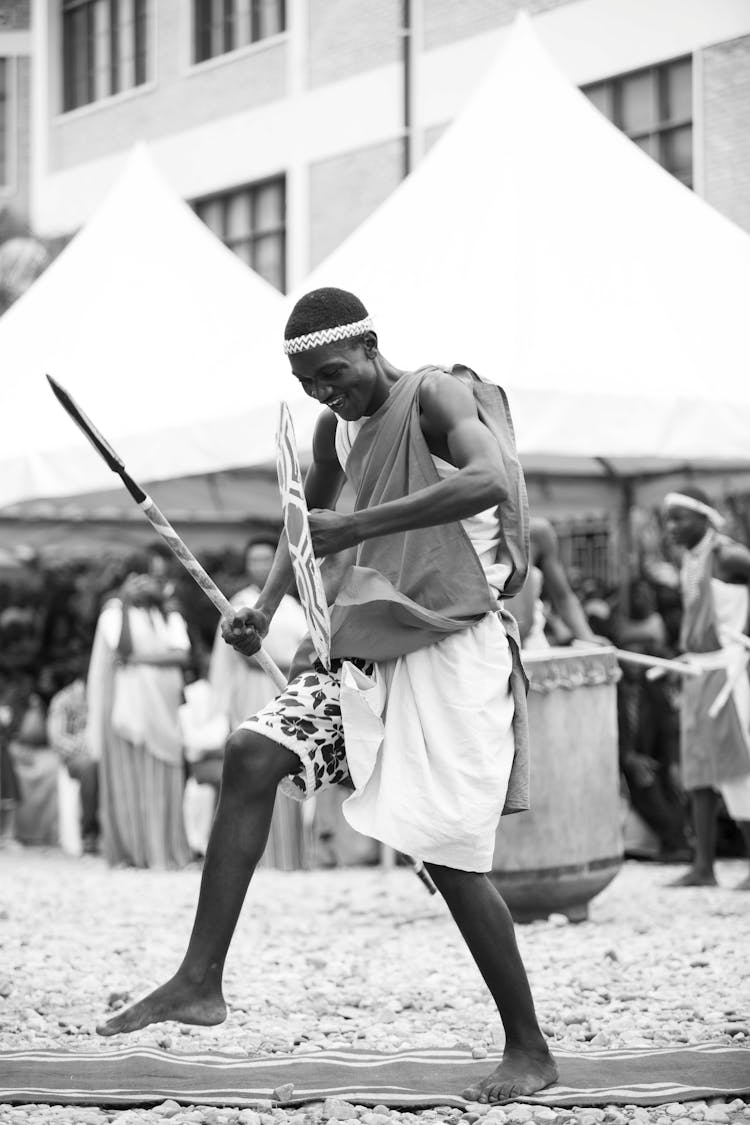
[[116, 698], [117, 695]]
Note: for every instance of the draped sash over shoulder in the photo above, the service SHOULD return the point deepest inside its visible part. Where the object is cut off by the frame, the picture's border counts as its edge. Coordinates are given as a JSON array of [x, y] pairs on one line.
[[412, 588]]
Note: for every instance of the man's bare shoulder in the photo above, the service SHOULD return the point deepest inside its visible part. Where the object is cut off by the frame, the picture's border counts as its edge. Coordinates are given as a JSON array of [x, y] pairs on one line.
[[444, 400]]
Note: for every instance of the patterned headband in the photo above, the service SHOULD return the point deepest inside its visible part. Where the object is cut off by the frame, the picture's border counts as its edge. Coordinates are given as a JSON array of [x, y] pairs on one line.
[[679, 500], [326, 336]]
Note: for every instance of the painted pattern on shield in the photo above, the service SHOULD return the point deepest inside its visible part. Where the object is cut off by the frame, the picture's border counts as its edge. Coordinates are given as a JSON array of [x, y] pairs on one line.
[[306, 572]]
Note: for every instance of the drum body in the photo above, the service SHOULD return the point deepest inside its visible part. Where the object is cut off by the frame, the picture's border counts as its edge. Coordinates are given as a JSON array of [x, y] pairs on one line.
[[568, 846]]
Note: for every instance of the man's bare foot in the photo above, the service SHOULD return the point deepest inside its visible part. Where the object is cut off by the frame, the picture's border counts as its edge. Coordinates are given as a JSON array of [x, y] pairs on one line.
[[519, 1074], [695, 877], [178, 999]]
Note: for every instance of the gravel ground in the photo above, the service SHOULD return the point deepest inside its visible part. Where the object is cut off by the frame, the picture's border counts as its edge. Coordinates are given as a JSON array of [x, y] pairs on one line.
[[365, 957]]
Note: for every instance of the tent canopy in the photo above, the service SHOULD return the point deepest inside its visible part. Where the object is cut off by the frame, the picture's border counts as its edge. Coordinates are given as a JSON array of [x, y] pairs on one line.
[[165, 338], [534, 243], [538, 245]]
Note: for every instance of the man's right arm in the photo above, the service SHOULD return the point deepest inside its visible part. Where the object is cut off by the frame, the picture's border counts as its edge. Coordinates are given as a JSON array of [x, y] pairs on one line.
[[323, 483]]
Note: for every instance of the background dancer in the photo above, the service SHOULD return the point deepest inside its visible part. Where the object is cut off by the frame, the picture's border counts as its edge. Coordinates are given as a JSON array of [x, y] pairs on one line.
[[714, 749], [420, 646]]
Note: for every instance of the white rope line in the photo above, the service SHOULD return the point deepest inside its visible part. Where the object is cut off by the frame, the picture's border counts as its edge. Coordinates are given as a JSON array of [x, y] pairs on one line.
[[312, 340]]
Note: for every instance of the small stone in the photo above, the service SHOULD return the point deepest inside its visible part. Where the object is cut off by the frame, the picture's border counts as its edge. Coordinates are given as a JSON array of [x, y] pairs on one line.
[[210, 1116], [165, 1042], [558, 920], [519, 1113], [283, 1093], [339, 1108], [249, 1117], [674, 1109], [168, 1108], [117, 999], [376, 1118], [479, 1052]]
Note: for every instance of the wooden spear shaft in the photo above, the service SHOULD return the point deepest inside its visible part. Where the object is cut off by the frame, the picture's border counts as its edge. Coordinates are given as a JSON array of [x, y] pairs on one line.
[[158, 521]]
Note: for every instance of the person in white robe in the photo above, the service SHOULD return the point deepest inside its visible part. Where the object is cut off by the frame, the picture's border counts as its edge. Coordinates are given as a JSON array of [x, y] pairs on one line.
[[134, 689]]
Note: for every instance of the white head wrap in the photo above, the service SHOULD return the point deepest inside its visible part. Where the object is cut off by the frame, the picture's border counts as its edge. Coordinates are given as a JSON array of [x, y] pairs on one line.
[[680, 500], [312, 340]]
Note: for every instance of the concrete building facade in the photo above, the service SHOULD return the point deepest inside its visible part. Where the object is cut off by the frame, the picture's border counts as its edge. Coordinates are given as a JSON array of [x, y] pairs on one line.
[[15, 112], [286, 122]]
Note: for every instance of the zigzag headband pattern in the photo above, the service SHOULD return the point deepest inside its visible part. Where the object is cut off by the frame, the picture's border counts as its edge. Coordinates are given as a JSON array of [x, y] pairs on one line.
[[326, 336]]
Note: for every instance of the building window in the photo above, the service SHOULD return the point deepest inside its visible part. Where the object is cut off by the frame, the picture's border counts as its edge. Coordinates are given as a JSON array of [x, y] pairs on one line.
[[4, 123], [224, 25], [586, 552], [252, 222], [104, 48], [654, 108]]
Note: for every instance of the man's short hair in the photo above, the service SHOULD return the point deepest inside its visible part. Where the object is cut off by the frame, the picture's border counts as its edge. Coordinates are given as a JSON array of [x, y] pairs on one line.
[[323, 316]]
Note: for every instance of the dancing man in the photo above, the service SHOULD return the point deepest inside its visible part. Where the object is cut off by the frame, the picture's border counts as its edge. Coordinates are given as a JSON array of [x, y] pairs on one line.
[[714, 748], [420, 643]]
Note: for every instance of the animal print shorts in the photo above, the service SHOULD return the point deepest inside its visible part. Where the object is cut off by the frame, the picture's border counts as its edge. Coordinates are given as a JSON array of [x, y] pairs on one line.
[[306, 719]]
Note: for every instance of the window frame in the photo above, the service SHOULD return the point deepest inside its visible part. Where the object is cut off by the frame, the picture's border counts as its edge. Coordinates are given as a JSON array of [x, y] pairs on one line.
[[663, 126], [229, 53], [8, 177], [143, 58], [225, 197]]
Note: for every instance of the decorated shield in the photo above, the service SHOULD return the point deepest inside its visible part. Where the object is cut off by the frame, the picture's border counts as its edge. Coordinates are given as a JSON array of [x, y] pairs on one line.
[[306, 572]]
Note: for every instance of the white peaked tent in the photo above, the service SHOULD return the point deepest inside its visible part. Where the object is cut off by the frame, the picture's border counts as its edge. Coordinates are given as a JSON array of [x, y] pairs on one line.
[[538, 245], [165, 338]]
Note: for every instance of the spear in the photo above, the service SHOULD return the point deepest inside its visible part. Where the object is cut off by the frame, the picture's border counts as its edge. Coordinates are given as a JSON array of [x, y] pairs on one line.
[[158, 520]]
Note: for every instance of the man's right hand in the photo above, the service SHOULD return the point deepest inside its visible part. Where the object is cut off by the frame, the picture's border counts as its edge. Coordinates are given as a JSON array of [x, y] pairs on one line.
[[245, 630]]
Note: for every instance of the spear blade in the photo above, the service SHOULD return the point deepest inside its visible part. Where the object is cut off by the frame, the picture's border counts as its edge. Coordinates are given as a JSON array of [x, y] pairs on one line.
[[84, 423], [158, 521]]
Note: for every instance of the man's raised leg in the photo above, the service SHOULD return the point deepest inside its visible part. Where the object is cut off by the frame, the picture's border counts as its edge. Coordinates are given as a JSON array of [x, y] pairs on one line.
[[487, 928], [253, 768]]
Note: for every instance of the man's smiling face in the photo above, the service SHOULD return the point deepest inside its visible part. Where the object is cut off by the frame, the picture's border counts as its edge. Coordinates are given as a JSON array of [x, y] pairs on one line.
[[343, 376]]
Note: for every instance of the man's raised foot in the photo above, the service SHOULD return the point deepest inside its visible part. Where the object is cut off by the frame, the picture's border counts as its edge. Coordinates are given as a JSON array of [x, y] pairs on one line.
[[520, 1074], [179, 999]]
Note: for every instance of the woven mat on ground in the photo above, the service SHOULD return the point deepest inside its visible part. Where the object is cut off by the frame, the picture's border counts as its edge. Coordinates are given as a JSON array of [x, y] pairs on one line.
[[419, 1078]]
